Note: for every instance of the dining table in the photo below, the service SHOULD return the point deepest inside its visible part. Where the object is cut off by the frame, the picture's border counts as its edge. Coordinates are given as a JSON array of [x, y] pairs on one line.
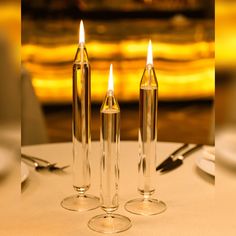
[[188, 191]]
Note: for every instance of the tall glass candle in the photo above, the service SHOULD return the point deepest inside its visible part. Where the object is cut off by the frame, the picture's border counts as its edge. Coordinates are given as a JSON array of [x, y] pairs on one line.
[[148, 101], [109, 168], [81, 130], [110, 141]]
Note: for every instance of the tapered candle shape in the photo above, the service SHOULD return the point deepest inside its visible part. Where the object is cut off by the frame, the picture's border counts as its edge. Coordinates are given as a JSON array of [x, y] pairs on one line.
[[148, 105], [81, 130], [110, 141], [147, 127], [81, 116], [109, 168]]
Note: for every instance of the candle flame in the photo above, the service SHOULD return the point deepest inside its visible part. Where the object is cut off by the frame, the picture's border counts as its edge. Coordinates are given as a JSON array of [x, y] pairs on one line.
[[110, 81], [81, 32], [149, 53]]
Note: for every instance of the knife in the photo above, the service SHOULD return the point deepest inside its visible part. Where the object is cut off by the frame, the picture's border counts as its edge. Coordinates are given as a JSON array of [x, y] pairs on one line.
[[171, 156], [178, 161]]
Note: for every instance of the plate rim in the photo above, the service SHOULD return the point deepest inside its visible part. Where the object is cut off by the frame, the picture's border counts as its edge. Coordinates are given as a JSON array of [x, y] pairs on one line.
[[206, 170]]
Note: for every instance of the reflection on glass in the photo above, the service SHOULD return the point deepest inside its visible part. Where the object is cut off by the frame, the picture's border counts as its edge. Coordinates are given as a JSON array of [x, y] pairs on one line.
[[81, 133], [147, 144], [109, 168]]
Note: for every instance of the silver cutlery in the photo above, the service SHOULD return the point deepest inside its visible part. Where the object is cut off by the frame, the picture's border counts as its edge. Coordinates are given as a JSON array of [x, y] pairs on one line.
[[171, 156], [175, 160], [41, 164]]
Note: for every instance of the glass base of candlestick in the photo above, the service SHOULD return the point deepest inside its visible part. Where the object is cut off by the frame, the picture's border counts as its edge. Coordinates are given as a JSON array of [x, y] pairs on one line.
[[145, 206], [80, 202], [109, 223]]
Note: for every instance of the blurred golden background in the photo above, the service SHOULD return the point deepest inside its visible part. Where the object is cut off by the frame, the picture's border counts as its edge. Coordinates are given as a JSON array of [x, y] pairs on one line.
[[182, 33], [183, 55], [49, 35]]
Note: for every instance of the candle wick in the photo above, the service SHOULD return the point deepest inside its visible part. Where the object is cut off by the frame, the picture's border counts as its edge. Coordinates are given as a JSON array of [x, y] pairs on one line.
[[110, 81], [149, 54]]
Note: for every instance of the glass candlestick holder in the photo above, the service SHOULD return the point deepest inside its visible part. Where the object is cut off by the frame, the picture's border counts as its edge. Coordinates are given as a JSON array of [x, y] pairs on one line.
[[81, 133], [109, 169], [148, 100]]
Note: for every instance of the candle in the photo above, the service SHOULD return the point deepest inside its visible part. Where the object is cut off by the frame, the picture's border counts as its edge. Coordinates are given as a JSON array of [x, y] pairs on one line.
[[110, 140], [148, 100], [81, 133], [109, 168], [81, 116]]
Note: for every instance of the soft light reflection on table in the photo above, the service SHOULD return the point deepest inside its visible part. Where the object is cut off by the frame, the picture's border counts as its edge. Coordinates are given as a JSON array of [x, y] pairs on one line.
[[42, 193]]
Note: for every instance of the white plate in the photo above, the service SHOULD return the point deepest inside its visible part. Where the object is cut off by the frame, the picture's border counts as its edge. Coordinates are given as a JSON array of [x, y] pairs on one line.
[[226, 145], [24, 172], [208, 153], [206, 165]]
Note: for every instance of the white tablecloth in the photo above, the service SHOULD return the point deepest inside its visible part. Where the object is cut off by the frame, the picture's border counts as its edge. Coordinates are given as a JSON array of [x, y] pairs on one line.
[[188, 192]]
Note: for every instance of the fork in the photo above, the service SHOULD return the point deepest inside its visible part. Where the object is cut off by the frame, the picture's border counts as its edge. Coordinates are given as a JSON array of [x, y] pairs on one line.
[[37, 162]]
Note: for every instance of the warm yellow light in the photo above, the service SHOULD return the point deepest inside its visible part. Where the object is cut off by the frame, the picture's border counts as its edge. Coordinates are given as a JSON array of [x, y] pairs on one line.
[[110, 81], [149, 53], [185, 71], [128, 49], [81, 32]]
